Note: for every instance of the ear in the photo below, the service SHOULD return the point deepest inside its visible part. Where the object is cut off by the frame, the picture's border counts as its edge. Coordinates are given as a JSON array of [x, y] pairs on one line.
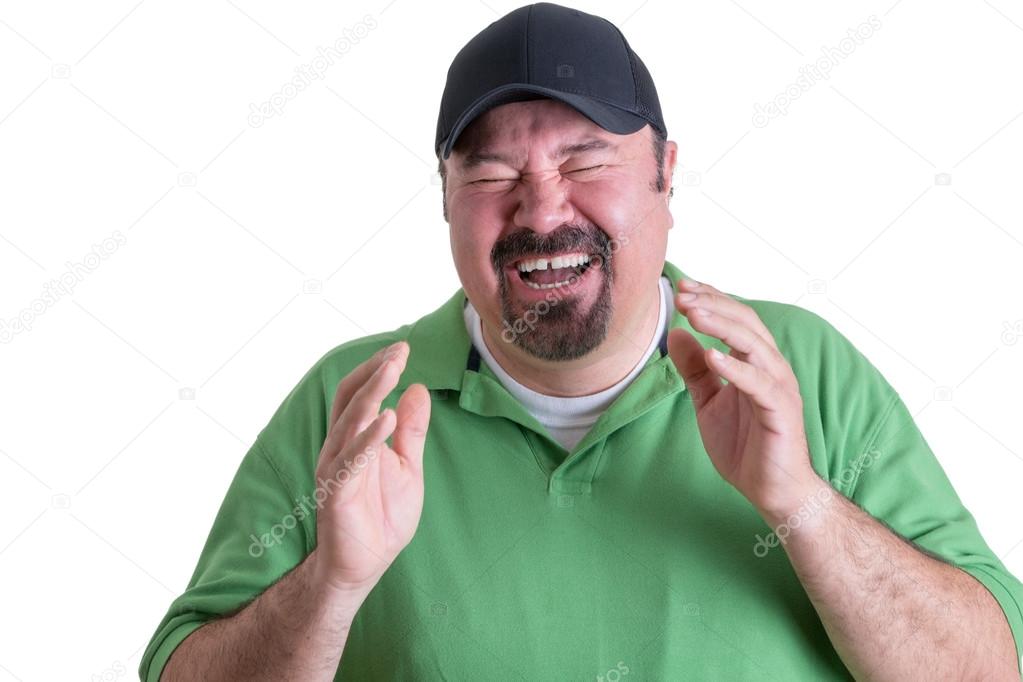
[[443, 174], [670, 159]]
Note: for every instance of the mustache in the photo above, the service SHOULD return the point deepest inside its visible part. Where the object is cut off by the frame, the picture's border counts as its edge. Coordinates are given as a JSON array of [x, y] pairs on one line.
[[525, 242]]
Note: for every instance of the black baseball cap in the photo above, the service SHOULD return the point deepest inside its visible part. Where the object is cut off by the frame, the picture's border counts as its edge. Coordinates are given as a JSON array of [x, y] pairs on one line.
[[549, 51]]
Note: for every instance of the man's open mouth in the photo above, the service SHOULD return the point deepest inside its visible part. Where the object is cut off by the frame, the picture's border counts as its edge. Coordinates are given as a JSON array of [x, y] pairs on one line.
[[547, 272]]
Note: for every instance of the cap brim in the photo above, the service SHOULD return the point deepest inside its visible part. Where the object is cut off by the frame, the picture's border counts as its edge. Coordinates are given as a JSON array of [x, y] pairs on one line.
[[607, 116]]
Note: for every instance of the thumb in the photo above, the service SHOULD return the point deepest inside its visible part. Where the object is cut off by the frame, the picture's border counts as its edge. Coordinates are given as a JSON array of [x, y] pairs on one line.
[[690, 358], [413, 419]]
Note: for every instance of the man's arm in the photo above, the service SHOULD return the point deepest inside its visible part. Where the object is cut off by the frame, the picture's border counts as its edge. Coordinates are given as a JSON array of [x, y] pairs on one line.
[[295, 630], [372, 498], [891, 611]]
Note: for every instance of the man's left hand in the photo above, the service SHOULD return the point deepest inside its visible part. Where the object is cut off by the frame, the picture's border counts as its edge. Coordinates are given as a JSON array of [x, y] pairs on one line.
[[752, 427]]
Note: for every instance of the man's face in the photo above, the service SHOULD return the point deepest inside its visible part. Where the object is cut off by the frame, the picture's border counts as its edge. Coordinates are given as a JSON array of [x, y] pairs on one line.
[[557, 230]]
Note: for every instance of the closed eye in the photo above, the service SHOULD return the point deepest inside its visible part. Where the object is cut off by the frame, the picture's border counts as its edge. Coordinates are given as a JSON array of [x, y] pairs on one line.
[[493, 180]]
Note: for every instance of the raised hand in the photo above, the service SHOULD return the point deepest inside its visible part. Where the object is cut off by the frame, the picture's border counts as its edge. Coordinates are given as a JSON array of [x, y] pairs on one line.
[[752, 428], [374, 491]]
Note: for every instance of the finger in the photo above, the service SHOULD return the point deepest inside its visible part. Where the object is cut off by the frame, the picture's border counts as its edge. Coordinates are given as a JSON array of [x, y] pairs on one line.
[[365, 402], [347, 387], [347, 472], [377, 454], [744, 342], [343, 429], [710, 298], [722, 304], [752, 381], [413, 420], [689, 357]]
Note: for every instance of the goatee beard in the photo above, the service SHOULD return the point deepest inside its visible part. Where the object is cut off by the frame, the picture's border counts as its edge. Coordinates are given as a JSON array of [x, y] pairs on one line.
[[557, 327]]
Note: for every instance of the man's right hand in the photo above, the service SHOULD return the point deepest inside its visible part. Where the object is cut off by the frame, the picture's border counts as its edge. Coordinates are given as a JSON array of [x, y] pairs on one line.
[[374, 491]]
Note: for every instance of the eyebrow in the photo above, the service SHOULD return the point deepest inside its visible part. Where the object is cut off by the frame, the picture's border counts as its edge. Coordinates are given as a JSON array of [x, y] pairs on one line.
[[478, 157]]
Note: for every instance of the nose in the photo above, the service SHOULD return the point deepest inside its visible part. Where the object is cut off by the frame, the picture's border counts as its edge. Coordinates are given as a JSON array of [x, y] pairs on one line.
[[543, 202]]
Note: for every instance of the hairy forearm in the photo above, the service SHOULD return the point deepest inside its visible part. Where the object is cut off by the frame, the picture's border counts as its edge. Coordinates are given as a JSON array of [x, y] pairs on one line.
[[295, 630], [891, 611]]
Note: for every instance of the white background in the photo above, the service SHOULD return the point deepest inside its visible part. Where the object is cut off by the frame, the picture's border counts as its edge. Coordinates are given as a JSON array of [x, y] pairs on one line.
[[886, 199]]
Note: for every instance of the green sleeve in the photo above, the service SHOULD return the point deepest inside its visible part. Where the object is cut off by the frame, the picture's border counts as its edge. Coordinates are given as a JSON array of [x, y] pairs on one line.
[[896, 478], [266, 524], [256, 538]]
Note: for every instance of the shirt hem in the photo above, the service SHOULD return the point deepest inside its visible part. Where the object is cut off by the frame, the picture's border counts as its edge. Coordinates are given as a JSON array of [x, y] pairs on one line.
[[170, 643], [1010, 607]]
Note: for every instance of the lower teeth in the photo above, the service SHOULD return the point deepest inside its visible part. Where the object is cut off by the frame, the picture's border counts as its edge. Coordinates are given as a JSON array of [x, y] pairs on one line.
[[550, 285], [572, 279]]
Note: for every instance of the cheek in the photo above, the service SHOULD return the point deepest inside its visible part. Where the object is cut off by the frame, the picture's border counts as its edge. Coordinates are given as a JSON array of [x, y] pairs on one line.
[[634, 219], [616, 207], [471, 243]]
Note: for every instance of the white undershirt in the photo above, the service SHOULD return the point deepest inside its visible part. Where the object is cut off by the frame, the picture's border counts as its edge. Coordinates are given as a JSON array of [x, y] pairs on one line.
[[568, 419]]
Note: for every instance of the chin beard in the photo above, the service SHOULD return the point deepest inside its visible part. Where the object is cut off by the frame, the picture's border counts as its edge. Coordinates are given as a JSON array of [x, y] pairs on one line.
[[560, 327]]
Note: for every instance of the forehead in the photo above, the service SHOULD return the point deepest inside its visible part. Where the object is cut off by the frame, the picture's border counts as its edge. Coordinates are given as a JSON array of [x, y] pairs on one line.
[[505, 132]]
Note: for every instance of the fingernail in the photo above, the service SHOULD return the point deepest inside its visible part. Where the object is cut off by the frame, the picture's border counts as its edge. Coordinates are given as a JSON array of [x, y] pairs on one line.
[[689, 283], [389, 354], [687, 297]]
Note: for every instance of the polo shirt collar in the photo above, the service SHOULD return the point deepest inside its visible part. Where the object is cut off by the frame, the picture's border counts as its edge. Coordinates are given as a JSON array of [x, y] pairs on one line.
[[441, 358]]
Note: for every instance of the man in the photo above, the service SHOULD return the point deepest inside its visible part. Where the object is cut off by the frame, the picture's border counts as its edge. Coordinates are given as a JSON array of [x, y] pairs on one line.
[[595, 468]]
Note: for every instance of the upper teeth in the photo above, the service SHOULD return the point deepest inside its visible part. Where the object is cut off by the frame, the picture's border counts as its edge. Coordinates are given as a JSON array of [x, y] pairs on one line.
[[569, 261]]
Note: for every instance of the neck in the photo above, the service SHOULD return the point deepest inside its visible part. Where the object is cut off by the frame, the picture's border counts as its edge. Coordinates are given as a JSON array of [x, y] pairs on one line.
[[605, 366]]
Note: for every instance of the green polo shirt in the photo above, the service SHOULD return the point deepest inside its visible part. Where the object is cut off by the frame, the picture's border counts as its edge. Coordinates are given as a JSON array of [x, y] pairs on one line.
[[626, 557]]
